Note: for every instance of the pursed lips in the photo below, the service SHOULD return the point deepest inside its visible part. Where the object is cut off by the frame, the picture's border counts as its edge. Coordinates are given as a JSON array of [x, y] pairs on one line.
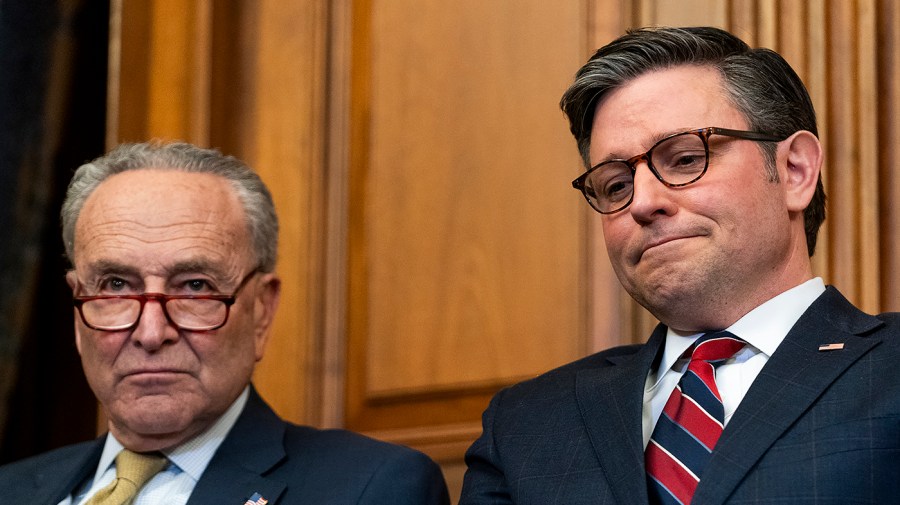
[[663, 240]]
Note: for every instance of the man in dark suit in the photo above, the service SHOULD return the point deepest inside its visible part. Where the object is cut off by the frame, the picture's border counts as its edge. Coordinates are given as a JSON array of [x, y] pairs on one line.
[[173, 250], [761, 385]]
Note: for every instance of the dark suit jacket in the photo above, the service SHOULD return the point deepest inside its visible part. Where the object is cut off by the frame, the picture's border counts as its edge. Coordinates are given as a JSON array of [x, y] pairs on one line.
[[815, 426], [284, 463]]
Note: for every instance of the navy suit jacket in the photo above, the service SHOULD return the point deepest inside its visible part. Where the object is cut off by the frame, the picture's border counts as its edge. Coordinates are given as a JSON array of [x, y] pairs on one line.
[[285, 463], [814, 427]]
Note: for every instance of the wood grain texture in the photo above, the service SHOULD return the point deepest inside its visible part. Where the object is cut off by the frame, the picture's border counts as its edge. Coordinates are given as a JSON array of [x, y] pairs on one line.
[[465, 236], [285, 132], [844, 171], [888, 52]]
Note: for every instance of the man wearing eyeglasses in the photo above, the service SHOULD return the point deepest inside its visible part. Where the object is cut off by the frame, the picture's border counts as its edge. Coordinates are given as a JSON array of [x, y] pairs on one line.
[[173, 250], [761, 384]]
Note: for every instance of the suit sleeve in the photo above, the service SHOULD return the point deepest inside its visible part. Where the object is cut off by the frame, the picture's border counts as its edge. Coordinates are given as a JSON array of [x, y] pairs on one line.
[[406, 478], [485, 482]]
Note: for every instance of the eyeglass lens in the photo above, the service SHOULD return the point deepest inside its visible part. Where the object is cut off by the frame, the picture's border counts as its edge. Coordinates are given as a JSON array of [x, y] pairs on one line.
[[186, 313]]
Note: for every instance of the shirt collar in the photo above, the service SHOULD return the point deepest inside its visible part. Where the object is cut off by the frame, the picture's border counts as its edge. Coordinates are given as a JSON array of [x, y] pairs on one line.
[[193, 456], [763, 327]]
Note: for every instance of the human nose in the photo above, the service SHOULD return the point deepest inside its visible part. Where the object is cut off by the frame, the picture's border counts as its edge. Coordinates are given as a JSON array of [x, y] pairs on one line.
[[154, 329], [651, 198]]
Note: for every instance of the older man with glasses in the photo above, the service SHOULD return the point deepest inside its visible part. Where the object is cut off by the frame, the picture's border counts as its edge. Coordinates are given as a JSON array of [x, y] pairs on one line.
[[173, 252], [761, 384]]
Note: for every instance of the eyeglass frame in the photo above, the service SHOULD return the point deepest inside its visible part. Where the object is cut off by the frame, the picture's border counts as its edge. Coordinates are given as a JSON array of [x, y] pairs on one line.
[[702, 133], [163, 299]]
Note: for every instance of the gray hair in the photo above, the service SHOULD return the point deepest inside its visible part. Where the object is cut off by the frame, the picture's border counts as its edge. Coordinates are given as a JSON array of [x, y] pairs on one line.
[[759, 83], [262, 222]]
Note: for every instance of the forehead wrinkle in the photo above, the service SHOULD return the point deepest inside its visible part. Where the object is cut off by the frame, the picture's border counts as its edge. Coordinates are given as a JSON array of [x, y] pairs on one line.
[[155, 233], [176, 222]]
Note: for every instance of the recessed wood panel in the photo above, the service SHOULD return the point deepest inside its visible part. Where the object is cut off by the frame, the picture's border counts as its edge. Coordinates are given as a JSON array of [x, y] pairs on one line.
[[466, 234]]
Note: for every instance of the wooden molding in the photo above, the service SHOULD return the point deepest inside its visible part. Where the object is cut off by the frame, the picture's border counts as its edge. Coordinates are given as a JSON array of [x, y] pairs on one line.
[[444, 443]]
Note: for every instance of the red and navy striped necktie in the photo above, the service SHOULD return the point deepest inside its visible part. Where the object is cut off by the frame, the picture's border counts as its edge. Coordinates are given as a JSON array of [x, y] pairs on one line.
[[690, 424]]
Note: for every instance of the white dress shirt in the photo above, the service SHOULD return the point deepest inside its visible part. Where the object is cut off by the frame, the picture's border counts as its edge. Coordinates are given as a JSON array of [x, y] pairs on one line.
[[763, 328], [175, 483]]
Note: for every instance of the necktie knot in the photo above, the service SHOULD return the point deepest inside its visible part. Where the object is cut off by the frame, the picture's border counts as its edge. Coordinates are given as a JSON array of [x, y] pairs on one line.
[[137, 467], [716, 347], [133, 470]]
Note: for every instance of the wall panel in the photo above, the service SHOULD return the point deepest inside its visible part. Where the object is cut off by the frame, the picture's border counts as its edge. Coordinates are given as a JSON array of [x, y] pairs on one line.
[[888, 67], [464, 232]]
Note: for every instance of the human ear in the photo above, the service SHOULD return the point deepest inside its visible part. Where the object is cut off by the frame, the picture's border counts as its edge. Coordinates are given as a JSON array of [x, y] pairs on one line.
[[800, 159], [268, 294]]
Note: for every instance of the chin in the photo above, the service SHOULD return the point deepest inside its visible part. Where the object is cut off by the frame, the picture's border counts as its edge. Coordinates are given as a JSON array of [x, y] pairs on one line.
[[154, 415]]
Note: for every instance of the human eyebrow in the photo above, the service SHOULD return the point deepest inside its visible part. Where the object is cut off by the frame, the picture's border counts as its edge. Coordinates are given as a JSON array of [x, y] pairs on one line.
[[676, 131], [104, 267], [200, 267], [651, 141]]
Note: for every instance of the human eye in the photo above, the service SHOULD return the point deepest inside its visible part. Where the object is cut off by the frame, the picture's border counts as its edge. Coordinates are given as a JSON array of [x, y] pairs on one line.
[[114, 285], [197, 286], [682, 155], [688, 161], [612, 183], [617, 189]]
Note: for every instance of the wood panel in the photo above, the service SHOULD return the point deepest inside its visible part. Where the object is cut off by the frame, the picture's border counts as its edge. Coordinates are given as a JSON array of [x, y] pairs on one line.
[[283, 136], [681, 13], [842, 148], [465, 247], [160, 73], [888, 53]]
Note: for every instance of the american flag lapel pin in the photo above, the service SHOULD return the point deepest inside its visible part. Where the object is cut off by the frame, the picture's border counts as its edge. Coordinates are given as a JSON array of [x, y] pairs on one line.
[[832, 347], [256, 499]]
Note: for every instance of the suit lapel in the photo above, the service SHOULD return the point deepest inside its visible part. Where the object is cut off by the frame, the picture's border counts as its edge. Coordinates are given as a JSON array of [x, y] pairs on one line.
[[790, 382], [611, 400], [57, 480], [254, 445]]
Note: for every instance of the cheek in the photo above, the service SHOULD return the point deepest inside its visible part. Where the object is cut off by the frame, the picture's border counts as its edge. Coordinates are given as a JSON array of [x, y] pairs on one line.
[[228, 351], [615, 235], [102, 353], [95, 347]]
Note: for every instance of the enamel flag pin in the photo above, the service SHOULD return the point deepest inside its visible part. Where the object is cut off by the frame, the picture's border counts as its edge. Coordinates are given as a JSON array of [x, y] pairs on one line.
[[831, 347], [256, 499]]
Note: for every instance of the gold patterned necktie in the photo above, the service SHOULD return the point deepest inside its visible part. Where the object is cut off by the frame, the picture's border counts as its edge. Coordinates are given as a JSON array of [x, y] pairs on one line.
[[133, 470]]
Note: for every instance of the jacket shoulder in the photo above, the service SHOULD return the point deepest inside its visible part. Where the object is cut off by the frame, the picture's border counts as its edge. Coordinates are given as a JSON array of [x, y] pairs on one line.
[[47, 460], [341, 445], [55, 471], [367, 470], [563, 376]]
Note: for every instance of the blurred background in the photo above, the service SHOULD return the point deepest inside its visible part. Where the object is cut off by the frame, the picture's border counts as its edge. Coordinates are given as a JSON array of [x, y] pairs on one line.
[[432, 249]]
